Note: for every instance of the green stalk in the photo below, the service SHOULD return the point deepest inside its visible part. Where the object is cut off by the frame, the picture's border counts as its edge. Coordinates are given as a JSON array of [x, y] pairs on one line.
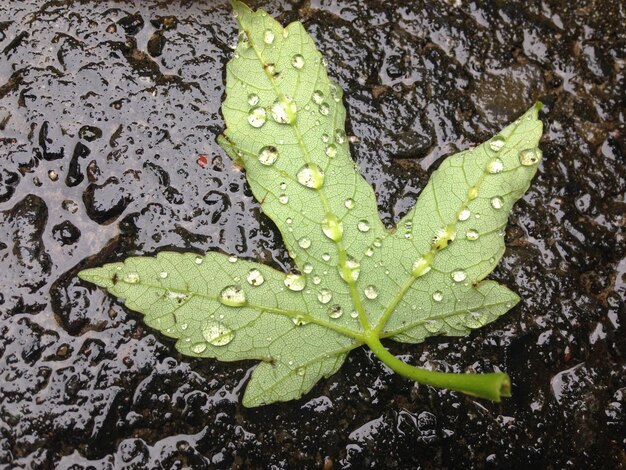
[[492, 386]]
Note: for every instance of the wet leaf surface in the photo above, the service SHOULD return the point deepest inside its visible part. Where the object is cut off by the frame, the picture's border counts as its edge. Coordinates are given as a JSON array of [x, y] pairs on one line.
[[83, 383]]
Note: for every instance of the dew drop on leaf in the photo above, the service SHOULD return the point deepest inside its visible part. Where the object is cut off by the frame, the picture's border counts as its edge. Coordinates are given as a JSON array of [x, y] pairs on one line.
[[363, 225], [295, 282], [255, 277], [472, 193], [217, 334], [232, 296], [437, 296], [433, 326], [300, 371], [324, 296], [324, 109], [257, 117], [199, 260], [335, 311], [332, 227], [299, 320], [459, 276], [318, 97], [349, 203], [268, 36], [422, 265], [307, 268], [529, 157], [464, 214], [198, 348], [497, 202], [496, 166], [350, 270], [326, 256], [311, 176], [325, 137], [472, 235], [297, 61], [317, 280], [475, 320], [304, 242], [131, 278], [163, 274], [340, 136], [371, 292], [496, 143], [253, 99], [284, 111], [268, 155], [283, 199], [331, 150]]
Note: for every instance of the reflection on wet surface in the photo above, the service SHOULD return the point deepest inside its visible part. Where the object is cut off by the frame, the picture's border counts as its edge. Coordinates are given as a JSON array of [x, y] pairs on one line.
[[108, 118]]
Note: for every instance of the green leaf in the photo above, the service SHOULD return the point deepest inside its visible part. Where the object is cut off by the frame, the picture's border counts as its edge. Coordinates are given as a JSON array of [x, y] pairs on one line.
[[357, 282]]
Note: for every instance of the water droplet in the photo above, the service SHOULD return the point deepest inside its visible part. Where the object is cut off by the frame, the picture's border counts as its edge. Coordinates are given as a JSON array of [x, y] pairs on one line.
[[198, 348], [283, 185], [304, 242], [163, 274], [475, 320], [324, 296], [496, 166], [268, 155], [284, 111], [318, 97], [530, 157], [283, 199], [354, 314], [423, 265], [378, 242], [369, 252], [300, 371], [217, 334], [459, 276], [255, 277], [183, 326], [472, 193], [311, 176], [497, 202], [497, 143], [232, 296], [178, 297], [307, 268], [131, 278], [268, 36], [350, 270], [317, 280], [332, 227], [257, 117], [331, 150], [371, 292], [472, 234], [433, 326], [324, 109], [297, 61], [349, 203], [363, 225], [437, 296], [199, 260], [233, 259], [253, 99], [335, 311], [295, 282], [340, 136], [299, 320], [443, 237], [464, 214], [325, 256], [325, 137]]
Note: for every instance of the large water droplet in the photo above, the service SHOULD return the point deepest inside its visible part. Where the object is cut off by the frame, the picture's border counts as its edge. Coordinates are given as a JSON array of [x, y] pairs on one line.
[[433, 326], [324, 296], [232, 296], [295, 282], [318, 97], [131, 278], [307, 268], [257, 117], [335, 311], [350, 270], [497, 202], [331, 150], [255, 277], [198, 348], [283, 199], [437, 296], [217, 334], [371, 292], [496, 143], [199, 260], [268, 155], [324, 109], [299, 320], [304, 242], [496, 166], [475, 320], [529, 157], [284, 111], [326, 256], [332, 227], [459, 276], [177, 297], [340, 136], [464, 214], [268, 36], [253, 99], [163, 274], [472, 234], [422, 265], [297, 61], [363, 225], [311, 176], [349, 203]]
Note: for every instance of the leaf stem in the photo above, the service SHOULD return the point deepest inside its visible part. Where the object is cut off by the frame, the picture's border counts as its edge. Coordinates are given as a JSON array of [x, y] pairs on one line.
[[492, 386]]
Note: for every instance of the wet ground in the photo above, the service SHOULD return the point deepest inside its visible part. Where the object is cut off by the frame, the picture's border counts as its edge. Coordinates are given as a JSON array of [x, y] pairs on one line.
[[108, 118]]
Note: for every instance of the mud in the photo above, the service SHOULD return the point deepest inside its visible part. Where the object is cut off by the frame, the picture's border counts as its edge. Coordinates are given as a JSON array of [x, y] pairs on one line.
[[108, 118]]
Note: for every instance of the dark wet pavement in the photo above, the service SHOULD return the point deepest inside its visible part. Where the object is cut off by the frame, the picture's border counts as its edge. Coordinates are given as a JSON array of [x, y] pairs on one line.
[[108, 118]]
